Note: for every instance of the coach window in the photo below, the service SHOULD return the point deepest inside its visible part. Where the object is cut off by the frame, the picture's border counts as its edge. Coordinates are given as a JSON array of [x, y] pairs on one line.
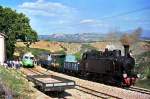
[[26, 57]]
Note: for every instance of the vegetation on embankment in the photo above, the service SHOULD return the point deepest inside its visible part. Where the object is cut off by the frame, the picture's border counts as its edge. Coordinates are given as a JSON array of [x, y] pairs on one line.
[[144, 83], [143, 61], [16, 83], [143, 68]]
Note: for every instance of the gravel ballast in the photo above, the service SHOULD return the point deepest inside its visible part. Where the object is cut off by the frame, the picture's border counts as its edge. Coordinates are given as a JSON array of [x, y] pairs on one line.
[[111, 90]]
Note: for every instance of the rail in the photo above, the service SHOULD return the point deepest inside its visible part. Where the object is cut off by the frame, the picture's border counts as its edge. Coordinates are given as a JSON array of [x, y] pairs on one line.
[[95, 93], [138, 89]]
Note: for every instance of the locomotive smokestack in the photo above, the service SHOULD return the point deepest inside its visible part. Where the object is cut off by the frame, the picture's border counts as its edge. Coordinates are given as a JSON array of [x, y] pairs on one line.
[[126, 50]]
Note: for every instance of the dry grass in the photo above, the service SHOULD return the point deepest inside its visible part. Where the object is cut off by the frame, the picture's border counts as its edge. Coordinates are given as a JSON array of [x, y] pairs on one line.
[[76, 47], [99, 45], [72, 47], [54, 46]]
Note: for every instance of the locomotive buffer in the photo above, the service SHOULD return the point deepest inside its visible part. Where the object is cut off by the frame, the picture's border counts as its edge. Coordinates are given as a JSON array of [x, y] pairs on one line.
[[51, 82]]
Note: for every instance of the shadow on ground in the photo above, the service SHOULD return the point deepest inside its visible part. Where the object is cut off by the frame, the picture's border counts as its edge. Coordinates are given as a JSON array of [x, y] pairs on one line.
[[58, 94], [55, 94]]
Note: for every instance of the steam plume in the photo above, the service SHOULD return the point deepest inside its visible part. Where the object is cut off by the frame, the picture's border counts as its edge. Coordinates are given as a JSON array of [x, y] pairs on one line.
[[128, 39]]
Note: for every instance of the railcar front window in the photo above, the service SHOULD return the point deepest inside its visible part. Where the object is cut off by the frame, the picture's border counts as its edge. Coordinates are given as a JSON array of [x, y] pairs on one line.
[[26, 57]]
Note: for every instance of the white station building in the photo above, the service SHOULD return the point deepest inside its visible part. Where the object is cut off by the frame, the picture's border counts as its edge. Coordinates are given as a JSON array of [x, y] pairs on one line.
[[2, 48]]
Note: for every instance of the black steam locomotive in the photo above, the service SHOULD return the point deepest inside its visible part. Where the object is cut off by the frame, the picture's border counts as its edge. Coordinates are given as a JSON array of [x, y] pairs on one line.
[[108, 66]]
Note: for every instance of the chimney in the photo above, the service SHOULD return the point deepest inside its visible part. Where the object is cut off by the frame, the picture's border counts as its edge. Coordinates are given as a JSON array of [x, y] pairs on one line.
[[126, 50]]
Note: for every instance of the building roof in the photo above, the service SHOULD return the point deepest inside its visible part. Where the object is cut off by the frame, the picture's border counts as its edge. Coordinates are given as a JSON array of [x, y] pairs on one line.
[[2, 34]]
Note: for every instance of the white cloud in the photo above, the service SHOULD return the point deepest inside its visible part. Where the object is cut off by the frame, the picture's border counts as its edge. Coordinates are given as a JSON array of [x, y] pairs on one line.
[[94, 23], [59, 17], [37, 13], [43, 8], [87, 21], [40, 1]]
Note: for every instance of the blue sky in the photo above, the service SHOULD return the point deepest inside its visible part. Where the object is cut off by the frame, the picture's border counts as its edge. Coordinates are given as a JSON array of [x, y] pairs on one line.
[[78, 16]]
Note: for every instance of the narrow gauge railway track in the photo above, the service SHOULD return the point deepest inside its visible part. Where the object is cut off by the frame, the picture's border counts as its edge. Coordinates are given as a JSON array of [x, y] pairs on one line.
[[133, 88], [95, 93], [28, 72], [36, 72], [138, 89], [32, 72], [85, 89]]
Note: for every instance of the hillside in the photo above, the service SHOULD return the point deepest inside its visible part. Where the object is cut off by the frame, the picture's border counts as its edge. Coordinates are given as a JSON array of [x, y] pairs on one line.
[[78, 38], [54, 46], [89, 37], [72, 48]]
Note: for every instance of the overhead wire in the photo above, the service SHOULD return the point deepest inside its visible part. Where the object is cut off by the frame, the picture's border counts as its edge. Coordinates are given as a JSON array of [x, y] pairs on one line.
[[126, 13]]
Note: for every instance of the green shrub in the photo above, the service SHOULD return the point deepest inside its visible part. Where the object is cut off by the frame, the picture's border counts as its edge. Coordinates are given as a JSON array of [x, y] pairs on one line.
[[78, 55], [144, 83], [148, 73], [15, 81], [143, 61]]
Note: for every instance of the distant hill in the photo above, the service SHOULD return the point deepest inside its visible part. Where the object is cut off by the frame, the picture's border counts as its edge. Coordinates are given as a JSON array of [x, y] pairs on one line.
[[85, 37], [146, 34], [43, 37]]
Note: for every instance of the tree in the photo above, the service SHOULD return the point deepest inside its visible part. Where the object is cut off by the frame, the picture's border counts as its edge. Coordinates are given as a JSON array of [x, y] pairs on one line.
[[30, 38], [15, 26], [28, 35]]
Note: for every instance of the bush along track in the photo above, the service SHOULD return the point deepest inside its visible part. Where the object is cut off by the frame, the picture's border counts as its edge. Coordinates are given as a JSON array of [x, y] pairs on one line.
[[143, 68], [14, 85]]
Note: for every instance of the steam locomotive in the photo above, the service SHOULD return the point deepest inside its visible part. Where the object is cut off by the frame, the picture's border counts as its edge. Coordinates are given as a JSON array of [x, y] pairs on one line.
[[108, 66]]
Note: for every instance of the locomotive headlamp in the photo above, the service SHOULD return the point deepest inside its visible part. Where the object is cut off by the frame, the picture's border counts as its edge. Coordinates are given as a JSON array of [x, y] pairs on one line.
[[124, 75], [138, 75]]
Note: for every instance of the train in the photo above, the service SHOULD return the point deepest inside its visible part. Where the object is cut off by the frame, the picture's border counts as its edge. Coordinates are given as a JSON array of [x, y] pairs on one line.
[[28, 60], [52, 61], [109, 66]]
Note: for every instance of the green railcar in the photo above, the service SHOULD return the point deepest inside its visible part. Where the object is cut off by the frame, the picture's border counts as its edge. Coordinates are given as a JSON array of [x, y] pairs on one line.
[[28, 60]]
